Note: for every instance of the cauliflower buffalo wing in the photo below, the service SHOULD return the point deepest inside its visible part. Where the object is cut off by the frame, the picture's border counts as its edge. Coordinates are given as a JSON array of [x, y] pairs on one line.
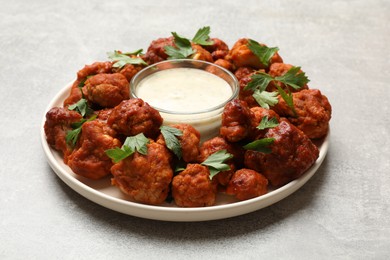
[[134, 116], [193, 187], [292, 154], [145, 178], [313, 112], [247, 184], [89, 158]]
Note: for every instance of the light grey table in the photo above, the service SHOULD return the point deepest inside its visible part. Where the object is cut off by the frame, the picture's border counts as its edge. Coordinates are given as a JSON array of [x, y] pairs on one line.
[[342, 212]]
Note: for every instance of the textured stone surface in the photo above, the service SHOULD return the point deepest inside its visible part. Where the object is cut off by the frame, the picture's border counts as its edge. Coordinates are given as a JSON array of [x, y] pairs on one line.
[[342, 212]]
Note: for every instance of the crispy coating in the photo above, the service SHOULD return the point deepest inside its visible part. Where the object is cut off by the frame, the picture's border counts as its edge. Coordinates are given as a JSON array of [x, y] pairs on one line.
[[292, 154], [189, 142], [88, 70], [134, 116], [214, 145], [224, 64], [193, 187], [243, 72], [145, 178], [58, 122], [313, 112], [218, 50], [94, 69], [236, 121], [247, 184], [103, 114], [201, 53], [242, 56], [89, 158], [243, 75], [156, 50], [279, 69], [129, 70], [106, 90], [74, 94], [259, 113]]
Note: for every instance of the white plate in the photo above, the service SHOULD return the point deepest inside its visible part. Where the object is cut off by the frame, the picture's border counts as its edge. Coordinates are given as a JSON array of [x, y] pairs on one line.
[[103, 193]]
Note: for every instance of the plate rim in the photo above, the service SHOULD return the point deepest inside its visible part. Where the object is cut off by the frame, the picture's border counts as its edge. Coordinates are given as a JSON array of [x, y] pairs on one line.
[[176, 214]]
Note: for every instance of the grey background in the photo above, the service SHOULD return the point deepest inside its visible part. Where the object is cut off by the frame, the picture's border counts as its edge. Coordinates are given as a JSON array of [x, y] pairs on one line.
[[341, 213]]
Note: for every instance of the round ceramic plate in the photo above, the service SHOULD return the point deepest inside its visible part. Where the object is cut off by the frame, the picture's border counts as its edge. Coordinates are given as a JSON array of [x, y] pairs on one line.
[[103, 193]]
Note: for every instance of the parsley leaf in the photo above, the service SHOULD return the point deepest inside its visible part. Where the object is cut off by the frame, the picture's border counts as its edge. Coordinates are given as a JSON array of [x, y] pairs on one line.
[[294, 78], [288, 97], [118, 154], [264, 53], [260, 145], [202, 36], [121, 59], [170, 136], [216, 162], [182, 50], [137, 143], [131, 145], [259, 81], [73, 135], [265, 123], [81, 107], [265, 98]]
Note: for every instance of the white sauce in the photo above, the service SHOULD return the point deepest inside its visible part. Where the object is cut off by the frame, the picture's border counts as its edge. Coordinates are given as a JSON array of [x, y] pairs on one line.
[[184, 90]]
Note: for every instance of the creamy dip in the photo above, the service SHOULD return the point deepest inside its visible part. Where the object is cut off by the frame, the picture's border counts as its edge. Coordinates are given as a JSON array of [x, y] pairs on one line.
[[184, 90]]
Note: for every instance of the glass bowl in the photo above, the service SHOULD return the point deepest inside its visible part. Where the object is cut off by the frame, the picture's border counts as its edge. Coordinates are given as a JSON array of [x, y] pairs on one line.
[[207, 118]]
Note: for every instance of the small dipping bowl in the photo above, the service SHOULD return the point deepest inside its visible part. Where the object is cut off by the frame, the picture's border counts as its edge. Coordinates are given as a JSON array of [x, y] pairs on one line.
[[187, 91]]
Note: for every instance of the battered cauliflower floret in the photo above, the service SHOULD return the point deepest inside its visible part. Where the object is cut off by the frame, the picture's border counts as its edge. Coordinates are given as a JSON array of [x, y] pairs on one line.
[[247, 184], [156, 50], [201, 53], [145, 178], [219, 49], [129, 70], [58, 123], [313, 112], [88, 70], [260, 113], [134, 116], [189, 142], [212, 146], [236, 121], [279, 69], [89, 158], [243, 75], [224, 64], [292, 153], [106, 90], [242, 56], [193, 187]]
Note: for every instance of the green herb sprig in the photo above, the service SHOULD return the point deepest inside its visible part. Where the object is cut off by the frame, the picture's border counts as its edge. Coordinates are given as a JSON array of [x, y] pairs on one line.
[[170, 135], [265, 98], [183, 48], [264, 53], [81, 107], [260, 81], [121, 59], [216, 162], [202, 37], [73, 135], [131, 145], [260, 145], [267, 123]]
